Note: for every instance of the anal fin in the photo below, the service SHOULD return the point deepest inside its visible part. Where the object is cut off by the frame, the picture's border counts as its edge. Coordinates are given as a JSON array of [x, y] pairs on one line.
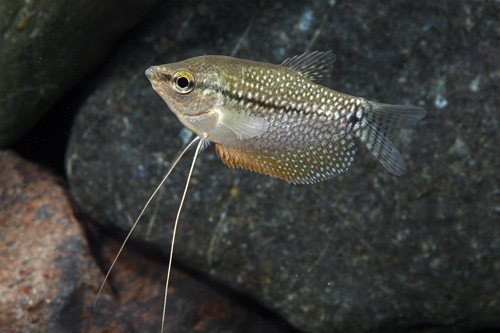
[[299, 166]]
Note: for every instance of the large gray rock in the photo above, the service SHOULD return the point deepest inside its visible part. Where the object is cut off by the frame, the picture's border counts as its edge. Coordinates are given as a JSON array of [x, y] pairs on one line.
[[47, 46], [365, 251]]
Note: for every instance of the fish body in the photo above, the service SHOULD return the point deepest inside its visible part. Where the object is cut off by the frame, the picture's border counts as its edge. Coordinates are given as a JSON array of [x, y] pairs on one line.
[[277, 119]]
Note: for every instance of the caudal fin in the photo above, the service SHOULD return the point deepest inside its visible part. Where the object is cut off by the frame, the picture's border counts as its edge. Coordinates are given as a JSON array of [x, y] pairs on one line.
[[377, 126]]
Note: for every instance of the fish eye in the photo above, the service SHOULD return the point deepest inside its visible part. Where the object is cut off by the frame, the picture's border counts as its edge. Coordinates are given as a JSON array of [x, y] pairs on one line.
[[183, 82]]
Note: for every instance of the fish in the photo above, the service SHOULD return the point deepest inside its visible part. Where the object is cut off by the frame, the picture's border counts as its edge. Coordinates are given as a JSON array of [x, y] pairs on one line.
[[276, 120]]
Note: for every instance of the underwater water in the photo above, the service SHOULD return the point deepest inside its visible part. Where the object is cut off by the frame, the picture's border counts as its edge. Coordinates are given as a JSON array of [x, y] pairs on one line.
[[364, 251]]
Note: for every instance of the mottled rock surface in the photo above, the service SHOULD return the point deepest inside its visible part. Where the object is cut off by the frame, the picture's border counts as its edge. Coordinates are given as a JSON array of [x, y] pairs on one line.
[[48, 278], [365, 251], [47, 46], [46, 268]]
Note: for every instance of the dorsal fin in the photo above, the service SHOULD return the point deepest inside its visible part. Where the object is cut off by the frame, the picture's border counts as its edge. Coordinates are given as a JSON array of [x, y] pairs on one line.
[[316, 66], [300, 166]]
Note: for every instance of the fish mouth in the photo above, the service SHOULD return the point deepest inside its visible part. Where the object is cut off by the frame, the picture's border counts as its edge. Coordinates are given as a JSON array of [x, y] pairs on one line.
[[197, 114]]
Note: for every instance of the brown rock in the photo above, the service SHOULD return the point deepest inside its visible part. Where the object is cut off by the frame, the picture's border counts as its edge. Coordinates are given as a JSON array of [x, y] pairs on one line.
[[49, 280], [45, 262]]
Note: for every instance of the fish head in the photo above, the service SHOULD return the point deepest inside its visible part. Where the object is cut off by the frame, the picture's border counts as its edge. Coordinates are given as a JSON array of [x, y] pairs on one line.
[[190, 89]]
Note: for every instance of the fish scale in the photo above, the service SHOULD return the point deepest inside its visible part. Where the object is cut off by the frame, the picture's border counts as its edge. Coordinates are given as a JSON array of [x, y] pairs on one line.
[[295, 119], [277, 119]]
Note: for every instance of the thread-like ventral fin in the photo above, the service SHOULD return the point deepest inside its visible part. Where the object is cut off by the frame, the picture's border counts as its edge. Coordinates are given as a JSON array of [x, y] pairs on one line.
[[380, 121], [316, 66], [300, 166]]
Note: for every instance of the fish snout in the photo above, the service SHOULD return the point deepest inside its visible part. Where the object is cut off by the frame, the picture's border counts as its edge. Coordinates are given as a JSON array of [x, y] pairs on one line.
[[150, 73]]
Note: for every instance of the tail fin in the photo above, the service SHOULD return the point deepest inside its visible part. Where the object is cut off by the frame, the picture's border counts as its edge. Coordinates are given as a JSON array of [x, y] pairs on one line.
[[379, 122]]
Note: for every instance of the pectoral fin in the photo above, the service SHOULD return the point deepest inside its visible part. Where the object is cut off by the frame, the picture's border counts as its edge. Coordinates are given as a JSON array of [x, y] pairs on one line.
[[243, 126]]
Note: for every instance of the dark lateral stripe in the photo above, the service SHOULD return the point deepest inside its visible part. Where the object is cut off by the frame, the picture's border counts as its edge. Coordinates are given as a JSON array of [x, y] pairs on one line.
[[227, 93]]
